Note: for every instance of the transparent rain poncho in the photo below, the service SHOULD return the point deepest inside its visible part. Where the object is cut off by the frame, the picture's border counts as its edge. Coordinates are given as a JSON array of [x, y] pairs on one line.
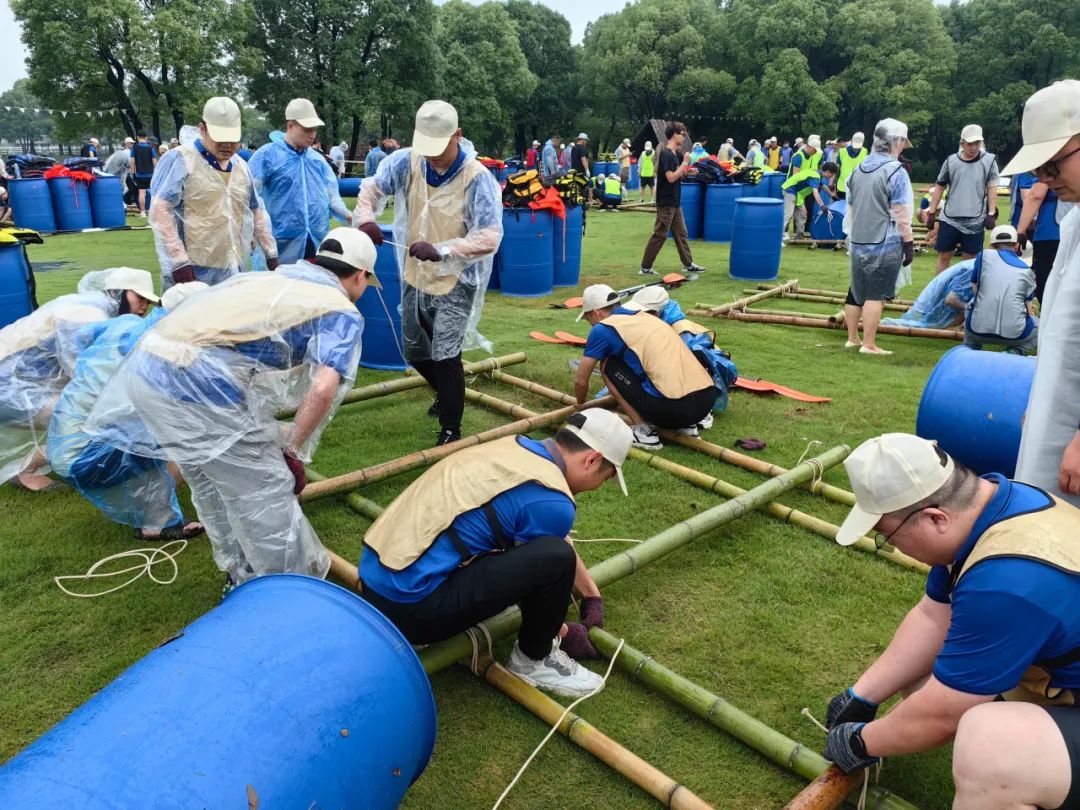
[[930, 310], [205, 217], [38, 354], [207, 382], [441, 301], [300, 191]]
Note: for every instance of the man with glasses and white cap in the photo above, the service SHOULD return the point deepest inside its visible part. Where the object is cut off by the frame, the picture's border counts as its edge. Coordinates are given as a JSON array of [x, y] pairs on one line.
[[448, 225], [971, 176], [486, 528], [997, 632], [204, 209], [1050, 448]]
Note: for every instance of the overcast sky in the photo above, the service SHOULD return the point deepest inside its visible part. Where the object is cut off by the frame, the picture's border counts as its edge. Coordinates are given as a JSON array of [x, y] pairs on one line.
[[12, 66]]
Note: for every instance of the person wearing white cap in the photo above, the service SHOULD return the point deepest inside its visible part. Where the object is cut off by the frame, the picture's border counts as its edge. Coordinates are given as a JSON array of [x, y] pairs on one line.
[[971, 176], [297, 185], [772, 154], [38, 354], [579, 155], [1001, 312], [485, 529], [655, 379], [754, 155], [623, 155], [208, 380], [997, 632], [205, 211], [134, 490], [647, 171], [532, 155], [1050, 447], [849, 156], [880, 206], [118, 164], [448, 211], [337, 157]]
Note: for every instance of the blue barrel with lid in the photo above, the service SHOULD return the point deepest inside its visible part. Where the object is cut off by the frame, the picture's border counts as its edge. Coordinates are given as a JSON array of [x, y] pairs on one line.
[[756, 238], [381, 346], [71, 204], [107, 207], [567, 247], [720, 210], [348, 186], [16, 299], [31, 204], [528, 266], [693, 209]]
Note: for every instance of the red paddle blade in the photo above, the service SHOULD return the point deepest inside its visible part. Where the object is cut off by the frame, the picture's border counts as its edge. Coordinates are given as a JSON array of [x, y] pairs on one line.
[[573, 340], [544, 338], [573, 303], [673, 279]]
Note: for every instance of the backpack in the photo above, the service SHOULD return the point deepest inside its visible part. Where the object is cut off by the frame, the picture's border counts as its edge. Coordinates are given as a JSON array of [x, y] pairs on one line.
[[717, 362], [522, 188]]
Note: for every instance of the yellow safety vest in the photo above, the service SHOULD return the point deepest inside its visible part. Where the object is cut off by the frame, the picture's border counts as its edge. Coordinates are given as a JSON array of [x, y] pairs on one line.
[[670, 366], [218, 224], [848, 164], [645, 164], [612, 186]]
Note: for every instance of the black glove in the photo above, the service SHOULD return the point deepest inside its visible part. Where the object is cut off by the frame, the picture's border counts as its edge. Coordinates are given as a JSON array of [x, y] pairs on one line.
[[299, 474], [1024, 237], [845, 747], [592, 611], [990, 221], [847, 707], [273, 264], [425, 252], [576, 642], [373, 231], [909, 253], [183, 274], [931, 218]]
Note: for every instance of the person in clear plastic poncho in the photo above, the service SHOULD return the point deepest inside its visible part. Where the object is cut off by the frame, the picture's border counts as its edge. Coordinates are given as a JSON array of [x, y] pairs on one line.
[[942, 302], [38, 354], [297, 185], [204, 209], [208, 381], [880, 205], [448, 215], [135, 490]]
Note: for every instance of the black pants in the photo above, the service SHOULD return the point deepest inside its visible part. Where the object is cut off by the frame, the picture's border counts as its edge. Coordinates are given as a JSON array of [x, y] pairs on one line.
[[1043, 254], [538, 576], [659, 411], [447, 377]]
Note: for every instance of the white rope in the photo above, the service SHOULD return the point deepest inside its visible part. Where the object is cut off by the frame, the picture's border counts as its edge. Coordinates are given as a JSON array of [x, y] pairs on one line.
[[150, 557], [554, 728], [390, 321], [815, 465], [866, 772]]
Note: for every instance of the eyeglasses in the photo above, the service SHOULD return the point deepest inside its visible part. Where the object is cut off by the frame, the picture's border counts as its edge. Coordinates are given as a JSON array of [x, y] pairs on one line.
[[881, 540], [1052, 168]]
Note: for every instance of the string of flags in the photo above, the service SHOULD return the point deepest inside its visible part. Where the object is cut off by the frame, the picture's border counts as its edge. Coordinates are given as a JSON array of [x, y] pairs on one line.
[[62, 113]]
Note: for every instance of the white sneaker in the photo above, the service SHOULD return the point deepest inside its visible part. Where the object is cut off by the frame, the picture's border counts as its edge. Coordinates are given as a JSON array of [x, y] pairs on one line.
[[850, 345], [706, 423], [557, 672], [691, 431], [646, 438], [881, 352]]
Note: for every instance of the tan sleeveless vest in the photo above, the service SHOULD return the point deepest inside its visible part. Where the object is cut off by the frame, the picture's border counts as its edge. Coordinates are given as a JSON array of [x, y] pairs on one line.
[[217, 218], [459, 483], [436, 215], [671, 366], [1050, 536]]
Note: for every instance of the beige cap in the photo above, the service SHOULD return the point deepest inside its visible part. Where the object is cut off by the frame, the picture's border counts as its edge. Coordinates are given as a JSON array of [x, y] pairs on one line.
[[814, 141], [597, 296], [653, 298], [436, 123], [648, 144], [605, 433], [128, 278], [171, 298], [303, 112], [129, 139], [625, 141], [1003, 234], [1051, 117], [858, 139], [352, 247], [972, 133], [887, 474], [222, 118]]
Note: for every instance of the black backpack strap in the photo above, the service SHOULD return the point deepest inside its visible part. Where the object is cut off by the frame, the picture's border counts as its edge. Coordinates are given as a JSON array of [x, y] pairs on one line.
[[1060, 661], [459, 545], [502, 540]]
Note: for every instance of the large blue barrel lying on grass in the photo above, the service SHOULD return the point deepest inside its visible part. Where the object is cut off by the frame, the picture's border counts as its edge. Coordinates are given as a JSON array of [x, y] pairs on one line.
[[382, 321], [756, 238], [693, 209], [826, 226], [348, 186], [15, 298], [31, 204], [107, 202], [973, 406], [71, 204], [720, 210], [566, 244], [292, 690], [528, 266]]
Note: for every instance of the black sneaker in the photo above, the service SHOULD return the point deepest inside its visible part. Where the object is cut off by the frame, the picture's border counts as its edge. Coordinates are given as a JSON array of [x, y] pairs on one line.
[[694, 267], [447, 435], [434, 409], [646, 271]]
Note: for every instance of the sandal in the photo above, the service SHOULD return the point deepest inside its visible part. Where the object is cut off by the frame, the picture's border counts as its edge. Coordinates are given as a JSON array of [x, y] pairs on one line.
[[15, 482], [177, 531]]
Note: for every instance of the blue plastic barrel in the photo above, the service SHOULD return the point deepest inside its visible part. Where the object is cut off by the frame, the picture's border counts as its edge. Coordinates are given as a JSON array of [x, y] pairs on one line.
[[634, 183], [292, 690], [31, 204], [15, 298], [773, 183], [757, 232], [567, 248], [71, 204], [495, 280], [528, 267], [382, 321], [503, 173], [720, 210], [348, 186], [824, 228], [973, 405], [107, 202], [693, 209]]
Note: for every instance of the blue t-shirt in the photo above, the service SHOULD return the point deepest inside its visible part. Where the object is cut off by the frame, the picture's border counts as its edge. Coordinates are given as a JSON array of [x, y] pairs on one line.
[[1007, 612], [605, 342], [1047, 228], [1021, 182], [809, 182], [525, 512]]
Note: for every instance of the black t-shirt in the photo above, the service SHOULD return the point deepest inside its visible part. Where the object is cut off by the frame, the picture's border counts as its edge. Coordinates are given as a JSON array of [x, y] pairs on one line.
[[576, 154], [143, 153], [667, 193]]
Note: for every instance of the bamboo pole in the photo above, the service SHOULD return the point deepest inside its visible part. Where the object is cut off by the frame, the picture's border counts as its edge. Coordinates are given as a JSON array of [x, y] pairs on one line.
[[841, 300], [831, 293], [901, 331], [439, 656], [354, 500], [817, 316], [753, 299], [341, 569], [827, 792], [586, 736], [777, 747]]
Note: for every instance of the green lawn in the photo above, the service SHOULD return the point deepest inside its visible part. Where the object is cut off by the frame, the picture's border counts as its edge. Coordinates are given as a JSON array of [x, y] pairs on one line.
[[764, 614]]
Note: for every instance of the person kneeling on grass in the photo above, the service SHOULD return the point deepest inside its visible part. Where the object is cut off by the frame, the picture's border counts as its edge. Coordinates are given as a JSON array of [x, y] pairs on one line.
[[997, 632], [486, 528], [610, 191], [1004, 287], [656, 380]]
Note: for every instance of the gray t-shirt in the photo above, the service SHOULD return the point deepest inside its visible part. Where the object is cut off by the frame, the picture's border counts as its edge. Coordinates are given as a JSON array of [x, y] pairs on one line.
[[966, 180]]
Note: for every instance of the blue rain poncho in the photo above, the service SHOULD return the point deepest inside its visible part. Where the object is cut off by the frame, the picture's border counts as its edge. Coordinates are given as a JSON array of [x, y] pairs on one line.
[[300, 191], [930, 310]]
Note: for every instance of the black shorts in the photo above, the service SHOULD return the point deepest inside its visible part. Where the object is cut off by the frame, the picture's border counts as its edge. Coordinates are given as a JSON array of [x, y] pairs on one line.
[[143, 183], [648, 182], [949, 237], [664, 413], [1067, 719], [1043, 254]]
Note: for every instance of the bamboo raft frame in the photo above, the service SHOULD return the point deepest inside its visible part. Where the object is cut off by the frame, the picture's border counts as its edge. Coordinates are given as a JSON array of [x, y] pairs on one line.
[[839, 300], [743, 303], [900, 331]]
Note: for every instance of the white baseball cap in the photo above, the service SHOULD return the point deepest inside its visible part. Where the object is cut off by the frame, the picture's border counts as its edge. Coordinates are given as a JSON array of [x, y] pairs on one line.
[[581, 136], [129, 139], [653, 298], [858, 139], [1051, 117], [536, 143], [814, 141], [972, 133], [648, 144], [1003, 233], [887, 474], [625, 141], [352, 247], [222, 118], [799, 140], [128, 278], [436, 123], [605, 433], [597, 296], [303, 112], [171, 298]]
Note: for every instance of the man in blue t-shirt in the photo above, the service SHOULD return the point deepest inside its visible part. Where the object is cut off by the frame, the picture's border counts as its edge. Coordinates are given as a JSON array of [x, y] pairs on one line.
[[1040, 223], [991, 655]]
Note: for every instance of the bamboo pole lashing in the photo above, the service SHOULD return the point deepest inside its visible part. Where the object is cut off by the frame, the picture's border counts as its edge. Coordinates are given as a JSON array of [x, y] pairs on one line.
[[743, 303], [900, 331], [827, 792]]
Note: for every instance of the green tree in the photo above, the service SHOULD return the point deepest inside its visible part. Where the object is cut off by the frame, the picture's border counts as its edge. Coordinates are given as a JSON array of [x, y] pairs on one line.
[[22, 121]]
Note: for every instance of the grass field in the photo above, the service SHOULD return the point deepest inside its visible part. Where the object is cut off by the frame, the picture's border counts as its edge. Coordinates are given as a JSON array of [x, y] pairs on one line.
[[764, 614]]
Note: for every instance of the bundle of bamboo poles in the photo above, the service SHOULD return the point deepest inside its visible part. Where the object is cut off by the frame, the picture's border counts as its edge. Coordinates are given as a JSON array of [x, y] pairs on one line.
[[743, 303], [789, 320], [839, 299], [828, 293]]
